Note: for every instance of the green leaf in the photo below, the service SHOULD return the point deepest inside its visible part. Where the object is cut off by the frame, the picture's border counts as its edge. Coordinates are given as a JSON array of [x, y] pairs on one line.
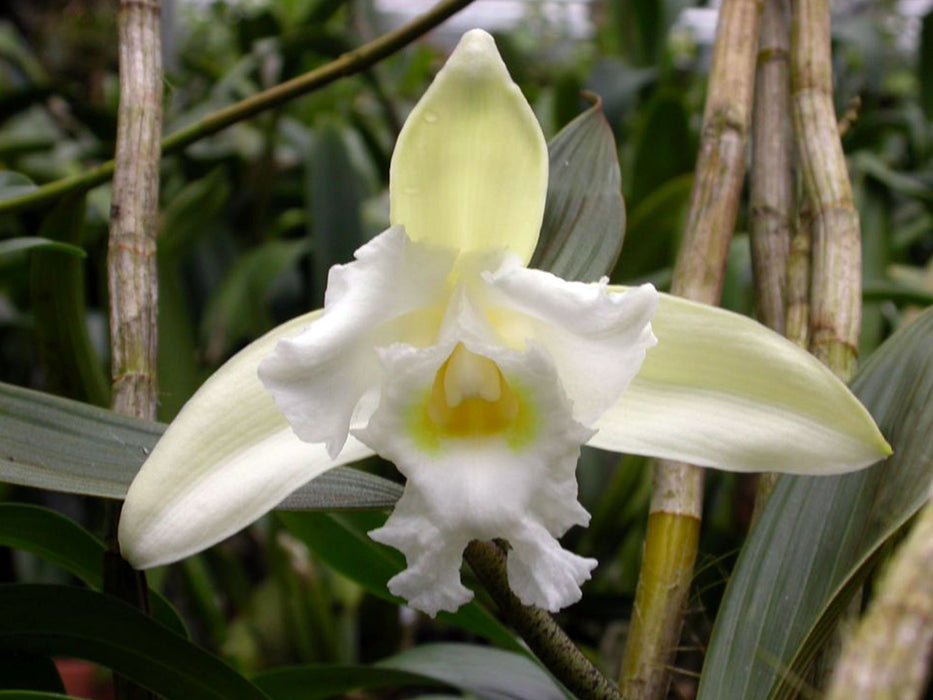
[[341, 542], [71, 363], [61, 445], [63, 542], [321, 682], [480, 671], [32, 695], [488, 673], [584, 218], [819, 537], [664, 147], [13, 185], [13, 247], [62, 620], [333, 198], [238, 310], [925, 65]]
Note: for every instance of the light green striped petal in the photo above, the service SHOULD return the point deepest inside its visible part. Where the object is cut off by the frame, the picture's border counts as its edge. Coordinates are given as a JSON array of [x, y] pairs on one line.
[[470, 166], [228, 458], [721, 390]]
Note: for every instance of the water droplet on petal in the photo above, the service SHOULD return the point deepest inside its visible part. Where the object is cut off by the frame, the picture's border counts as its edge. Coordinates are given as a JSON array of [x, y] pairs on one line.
[[430, 117]]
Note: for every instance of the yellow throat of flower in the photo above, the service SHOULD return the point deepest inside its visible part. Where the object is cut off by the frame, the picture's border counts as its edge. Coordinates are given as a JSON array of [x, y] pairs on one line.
[[471, 398]]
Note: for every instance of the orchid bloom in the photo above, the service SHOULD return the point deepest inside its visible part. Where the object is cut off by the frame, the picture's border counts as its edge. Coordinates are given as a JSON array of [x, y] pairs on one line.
[[439, 350]]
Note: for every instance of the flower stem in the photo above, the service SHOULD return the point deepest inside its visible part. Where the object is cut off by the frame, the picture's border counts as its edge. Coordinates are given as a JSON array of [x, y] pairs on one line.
[[131, 259], [771, 212], [546, 639], [674, 522], [888, 656], [350, 63]]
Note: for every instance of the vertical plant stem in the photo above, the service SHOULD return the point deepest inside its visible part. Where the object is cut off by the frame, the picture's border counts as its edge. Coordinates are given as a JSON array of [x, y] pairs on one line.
[[546, 639], [836, 285], [797, 325], [676, 506], [836, 262], [131, 259], [888, 656], [772, 184]]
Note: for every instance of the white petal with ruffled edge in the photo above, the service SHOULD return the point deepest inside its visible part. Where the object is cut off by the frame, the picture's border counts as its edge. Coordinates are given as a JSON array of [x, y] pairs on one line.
[[319, 377], [596, 336], [518, 485], [470, 166]]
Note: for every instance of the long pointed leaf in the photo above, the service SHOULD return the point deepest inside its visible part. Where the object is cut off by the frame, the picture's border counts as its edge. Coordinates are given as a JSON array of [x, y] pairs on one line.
[[61, 445], [818, 537]]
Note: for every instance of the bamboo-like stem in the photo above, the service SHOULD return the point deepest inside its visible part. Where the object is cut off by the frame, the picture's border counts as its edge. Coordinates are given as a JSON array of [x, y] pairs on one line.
[[771, 183], [836, 285], [888, 656], [797, 325], [545, 638], [131, 258], [350, 63], [674, 522]]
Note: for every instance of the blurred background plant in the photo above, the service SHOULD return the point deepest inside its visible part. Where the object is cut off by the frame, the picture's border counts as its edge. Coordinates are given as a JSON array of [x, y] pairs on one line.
[[253, 217]]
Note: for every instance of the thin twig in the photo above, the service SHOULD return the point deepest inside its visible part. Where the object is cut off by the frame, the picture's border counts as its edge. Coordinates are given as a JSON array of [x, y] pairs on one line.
[[349, 64], [546, 639], [677, 491]]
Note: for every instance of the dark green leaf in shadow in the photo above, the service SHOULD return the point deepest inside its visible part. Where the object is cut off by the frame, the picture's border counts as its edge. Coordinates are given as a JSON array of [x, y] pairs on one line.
[[61, 541], [584, 218], [57, 444], [32, 695], [925, 65], [68, 357], [320, 682], [13, 248], [663, 145], [67, 621], [818, 537], [192, 212], [341, 542], [333, 197], [653, 230], [238, 310]]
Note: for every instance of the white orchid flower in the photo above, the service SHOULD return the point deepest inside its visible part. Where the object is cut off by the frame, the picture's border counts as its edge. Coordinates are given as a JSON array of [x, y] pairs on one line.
[[480, 378]]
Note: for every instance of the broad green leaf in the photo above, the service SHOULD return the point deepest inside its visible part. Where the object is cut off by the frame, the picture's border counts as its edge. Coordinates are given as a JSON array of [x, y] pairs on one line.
[[68, 621], [721, 390], [584, 218], [488, 673], [63, 542], [13, 247], [14, 185], [480, 671], [61, 445], [341, 542], [72, 365], [321, 682], [819, 537]]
